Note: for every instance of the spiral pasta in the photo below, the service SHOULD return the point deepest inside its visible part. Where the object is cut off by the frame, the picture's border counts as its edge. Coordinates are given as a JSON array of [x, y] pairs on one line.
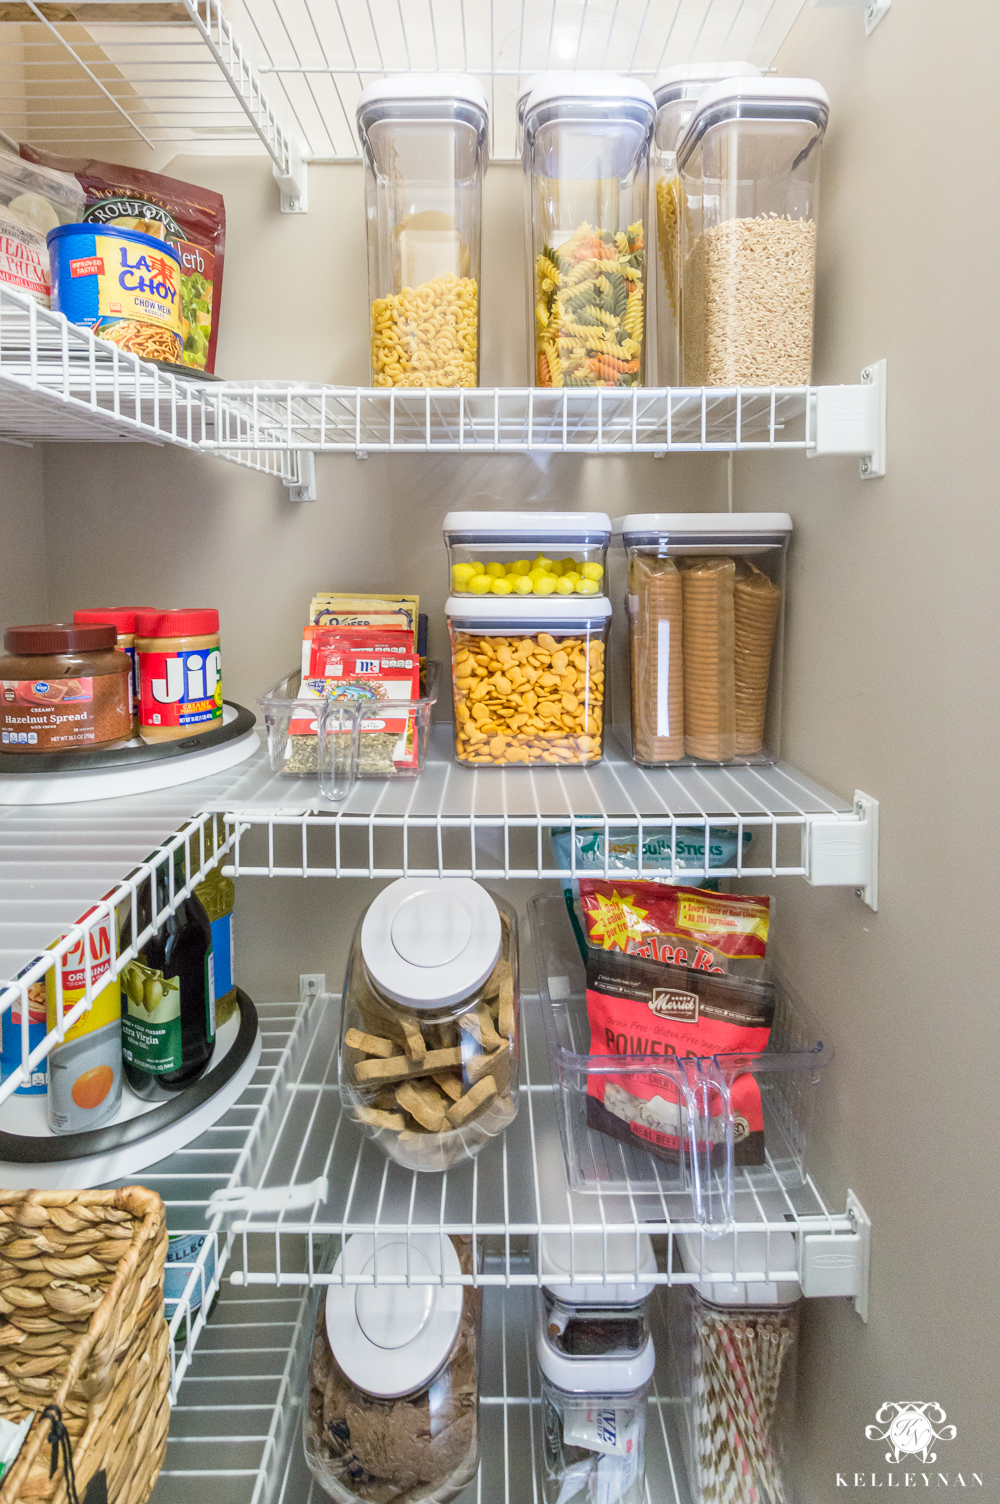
[[427, 335], [590, 309]]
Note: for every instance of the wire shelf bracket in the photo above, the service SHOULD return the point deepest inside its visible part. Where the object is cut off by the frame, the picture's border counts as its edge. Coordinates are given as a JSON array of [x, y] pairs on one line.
[[852, 420]]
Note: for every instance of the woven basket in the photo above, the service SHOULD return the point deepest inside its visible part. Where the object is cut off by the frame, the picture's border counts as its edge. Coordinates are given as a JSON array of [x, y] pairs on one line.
[[82, 1327]]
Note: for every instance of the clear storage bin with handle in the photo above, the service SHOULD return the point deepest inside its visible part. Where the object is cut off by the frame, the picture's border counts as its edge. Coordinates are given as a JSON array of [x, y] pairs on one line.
[[429, 1029], [393, 1384], [706, 595], [749, 164], [585, 150], [676, 91], [527, 553], [424, 140], [734, 1346]]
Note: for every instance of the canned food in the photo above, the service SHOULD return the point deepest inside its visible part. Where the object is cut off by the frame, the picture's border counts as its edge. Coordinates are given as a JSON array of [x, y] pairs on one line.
[[121, 284]]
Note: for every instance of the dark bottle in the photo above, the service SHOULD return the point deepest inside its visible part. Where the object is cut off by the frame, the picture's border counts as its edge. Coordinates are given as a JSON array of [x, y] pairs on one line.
[[168, 994]]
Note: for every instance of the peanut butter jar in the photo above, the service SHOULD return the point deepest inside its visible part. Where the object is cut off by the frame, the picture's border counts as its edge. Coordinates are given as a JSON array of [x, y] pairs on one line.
[[179, 670], [63, 688]]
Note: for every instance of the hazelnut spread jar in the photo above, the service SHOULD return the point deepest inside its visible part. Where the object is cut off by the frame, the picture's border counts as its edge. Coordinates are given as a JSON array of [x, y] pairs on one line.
[[179, 673], [63, 688]]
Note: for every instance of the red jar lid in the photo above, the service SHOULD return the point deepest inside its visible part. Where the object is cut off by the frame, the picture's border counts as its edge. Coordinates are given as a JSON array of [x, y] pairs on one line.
[[59, 637], [121, 617], [197, 623]]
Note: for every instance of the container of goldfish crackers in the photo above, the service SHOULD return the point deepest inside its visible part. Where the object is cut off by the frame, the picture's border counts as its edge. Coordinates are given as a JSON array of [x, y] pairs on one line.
[[528, 680]]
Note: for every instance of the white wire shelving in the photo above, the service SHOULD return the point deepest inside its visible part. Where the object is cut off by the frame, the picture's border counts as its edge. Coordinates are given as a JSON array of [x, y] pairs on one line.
[[336, 1182], [251, 1369]]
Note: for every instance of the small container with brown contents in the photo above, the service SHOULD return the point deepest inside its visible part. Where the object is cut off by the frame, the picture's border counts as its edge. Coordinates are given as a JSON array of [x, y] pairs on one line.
[[122, 618], [528, 680], [429, 1029], [179, 669], [63, 688], [705, 608]]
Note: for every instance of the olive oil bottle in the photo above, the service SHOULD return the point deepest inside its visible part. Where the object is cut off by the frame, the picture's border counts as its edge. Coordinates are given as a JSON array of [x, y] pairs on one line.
[[168, 993]]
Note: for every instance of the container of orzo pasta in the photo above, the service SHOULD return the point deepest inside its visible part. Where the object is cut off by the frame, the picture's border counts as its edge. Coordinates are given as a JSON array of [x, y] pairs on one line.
[[528, 678], [706, 595], [424, 142], [749, 166]]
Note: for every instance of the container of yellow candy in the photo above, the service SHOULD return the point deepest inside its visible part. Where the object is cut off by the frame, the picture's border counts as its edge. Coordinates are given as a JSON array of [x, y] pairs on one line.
[[527, 553]]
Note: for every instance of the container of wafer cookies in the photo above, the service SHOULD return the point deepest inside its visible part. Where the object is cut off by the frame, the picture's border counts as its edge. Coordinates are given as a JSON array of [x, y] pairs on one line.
[[429, 1030], [705, 603], [528, 680]]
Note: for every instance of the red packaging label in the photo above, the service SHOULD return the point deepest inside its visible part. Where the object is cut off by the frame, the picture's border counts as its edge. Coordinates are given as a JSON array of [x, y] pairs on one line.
[[367, 664], [87, 266], [53, 715], [643, 1010], [180, 689], [680, 926]]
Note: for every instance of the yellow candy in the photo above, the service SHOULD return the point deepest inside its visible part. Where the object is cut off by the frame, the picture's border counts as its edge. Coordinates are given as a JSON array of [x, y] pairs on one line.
[[571, 574], [480, 584], [496, 570], [544, 585], [558, 568], [539, 574], [500, 586], [519, 566], [569, 564], [541, 562], [588, 587], [522, 585], [477, 566], [461, 574], [593, 572], [565, 586]]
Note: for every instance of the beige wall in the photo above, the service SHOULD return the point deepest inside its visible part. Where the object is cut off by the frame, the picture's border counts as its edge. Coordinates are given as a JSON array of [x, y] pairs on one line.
[[24, 593], [891, 688]]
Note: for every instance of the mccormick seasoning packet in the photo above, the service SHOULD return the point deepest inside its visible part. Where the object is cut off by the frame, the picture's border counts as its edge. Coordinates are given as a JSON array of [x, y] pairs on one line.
[[371, 664], [189, 218], [647, 1010], [713, 932]]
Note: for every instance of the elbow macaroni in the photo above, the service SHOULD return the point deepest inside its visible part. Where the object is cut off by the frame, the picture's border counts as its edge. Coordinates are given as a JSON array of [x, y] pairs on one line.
[[427, 335]]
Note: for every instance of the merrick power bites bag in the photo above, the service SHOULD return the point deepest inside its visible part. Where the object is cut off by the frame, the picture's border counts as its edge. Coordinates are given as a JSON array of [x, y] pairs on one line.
[[643, 1005]]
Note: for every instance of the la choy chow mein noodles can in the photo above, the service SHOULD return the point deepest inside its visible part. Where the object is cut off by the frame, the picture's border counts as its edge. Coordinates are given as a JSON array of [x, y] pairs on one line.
[[123, 285]]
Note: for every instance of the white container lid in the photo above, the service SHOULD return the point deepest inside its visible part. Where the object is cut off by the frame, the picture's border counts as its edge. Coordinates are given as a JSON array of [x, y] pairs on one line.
[[757, 1250], [646, 524], [594, 1375], [524, 94], [567, 84], [754, 98], [525, 611], [392, 1339], [528, 525], [571, 1268], [681, 80], [431, 941], [403, 88]]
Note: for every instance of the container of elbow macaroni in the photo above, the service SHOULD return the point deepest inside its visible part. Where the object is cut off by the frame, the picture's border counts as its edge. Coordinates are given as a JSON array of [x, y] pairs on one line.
[[179, 669], [123, 285]]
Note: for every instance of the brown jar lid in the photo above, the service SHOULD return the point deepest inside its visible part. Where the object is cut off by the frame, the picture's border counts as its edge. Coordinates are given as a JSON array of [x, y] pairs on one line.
[[59, 637]]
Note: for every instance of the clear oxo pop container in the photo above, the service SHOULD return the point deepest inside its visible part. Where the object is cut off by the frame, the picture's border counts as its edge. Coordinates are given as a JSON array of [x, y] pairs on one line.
[[585, 151], [749, 166], [706, 597], [528, 679], [527, 553], [676, 91], [423, 137]]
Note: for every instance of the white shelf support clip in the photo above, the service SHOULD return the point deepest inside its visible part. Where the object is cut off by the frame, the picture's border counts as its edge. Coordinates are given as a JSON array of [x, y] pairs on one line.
[[836, 1263], [293, 182], [851, 420], [302, 482], [875, 10], [842, 850]]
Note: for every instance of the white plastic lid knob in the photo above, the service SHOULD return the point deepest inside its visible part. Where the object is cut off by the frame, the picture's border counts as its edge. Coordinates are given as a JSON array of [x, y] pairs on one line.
[[430, 942], [391, 1339]]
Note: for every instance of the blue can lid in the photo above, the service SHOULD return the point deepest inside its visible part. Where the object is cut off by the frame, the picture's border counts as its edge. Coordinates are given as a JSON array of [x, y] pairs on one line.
[[132, 235]]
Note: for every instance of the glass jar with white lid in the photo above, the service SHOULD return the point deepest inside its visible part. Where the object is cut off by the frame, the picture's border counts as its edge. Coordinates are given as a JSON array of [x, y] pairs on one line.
[[429, 1026], [424, 141]]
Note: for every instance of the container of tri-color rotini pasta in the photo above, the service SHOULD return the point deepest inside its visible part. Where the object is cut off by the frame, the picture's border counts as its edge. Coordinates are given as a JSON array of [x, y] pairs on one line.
[[123, 285]]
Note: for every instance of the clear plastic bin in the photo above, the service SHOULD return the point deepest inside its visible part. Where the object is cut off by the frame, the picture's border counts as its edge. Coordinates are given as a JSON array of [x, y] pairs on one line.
[[527, 553], [676, 91], [585, 150], [392, 1395], [364, 739], [734, 1351], [706, 594], [528, 680], [429, 1027], [424, 140], [749, 165], [786, 1074]]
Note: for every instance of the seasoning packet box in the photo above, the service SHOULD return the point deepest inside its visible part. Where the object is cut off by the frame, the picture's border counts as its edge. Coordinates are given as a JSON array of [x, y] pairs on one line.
[[375, 665]]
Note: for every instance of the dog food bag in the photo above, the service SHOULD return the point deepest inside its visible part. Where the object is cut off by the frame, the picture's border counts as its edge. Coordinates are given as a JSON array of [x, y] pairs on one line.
[[714, 932]]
